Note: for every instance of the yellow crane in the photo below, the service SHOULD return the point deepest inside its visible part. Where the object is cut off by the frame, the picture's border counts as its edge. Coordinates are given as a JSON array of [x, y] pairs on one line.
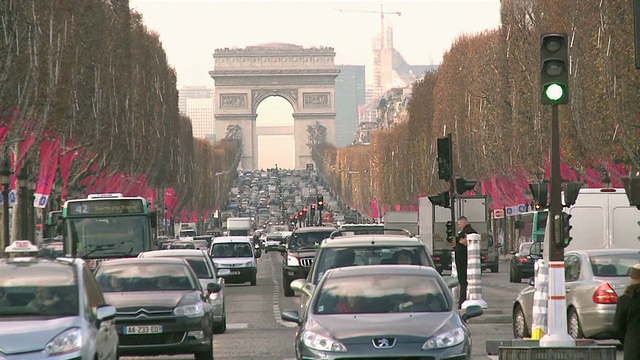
[[381, 12]]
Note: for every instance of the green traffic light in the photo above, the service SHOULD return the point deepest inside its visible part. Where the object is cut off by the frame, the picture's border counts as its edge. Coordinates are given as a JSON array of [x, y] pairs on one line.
[[554, 92]]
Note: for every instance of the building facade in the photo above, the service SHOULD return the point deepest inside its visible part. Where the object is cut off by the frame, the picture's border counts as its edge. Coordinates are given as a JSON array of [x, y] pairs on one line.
[[197, 103], [350, 95]]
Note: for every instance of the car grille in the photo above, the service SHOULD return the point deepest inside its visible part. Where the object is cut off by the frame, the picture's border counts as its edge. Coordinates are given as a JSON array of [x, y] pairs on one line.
[[152, 339], [396, 358], [141, 314], [306, 262]]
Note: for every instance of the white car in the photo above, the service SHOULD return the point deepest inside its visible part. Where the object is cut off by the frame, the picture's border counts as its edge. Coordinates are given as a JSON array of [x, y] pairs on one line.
[[237, 254]]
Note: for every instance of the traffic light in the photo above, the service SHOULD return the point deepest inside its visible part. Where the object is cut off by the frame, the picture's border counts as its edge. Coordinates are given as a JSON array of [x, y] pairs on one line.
[[320, 202], [444, 158], [313, 210], [539, 192], [631, 185], [442, 199], [463, 185], [563, 232], [554, 69], [449, 227], [292, 220], [571, 191]]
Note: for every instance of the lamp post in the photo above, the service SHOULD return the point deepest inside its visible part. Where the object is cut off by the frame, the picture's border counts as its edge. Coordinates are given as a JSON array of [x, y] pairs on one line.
[[5, 172], [31, 212], [22, 202]]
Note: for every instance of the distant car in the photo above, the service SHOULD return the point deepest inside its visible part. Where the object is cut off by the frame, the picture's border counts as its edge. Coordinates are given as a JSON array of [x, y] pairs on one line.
[[521, 264], [382, 311], [274, 242], [51, 250], [161, 306], [182, 244], [54, 309], [237, 254], [200, 244], [594, 279], [206, 272], [300, 253]]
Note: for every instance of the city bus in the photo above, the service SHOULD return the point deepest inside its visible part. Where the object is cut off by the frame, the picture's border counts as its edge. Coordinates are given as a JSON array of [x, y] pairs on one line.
[[105, 226]]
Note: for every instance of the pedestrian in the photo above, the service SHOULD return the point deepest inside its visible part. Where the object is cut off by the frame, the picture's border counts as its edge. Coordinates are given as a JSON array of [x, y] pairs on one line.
[[627, 317], [461, 256]]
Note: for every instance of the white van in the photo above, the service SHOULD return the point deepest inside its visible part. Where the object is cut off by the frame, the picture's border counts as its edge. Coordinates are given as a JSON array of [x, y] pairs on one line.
[[237, 254], [603, 219]]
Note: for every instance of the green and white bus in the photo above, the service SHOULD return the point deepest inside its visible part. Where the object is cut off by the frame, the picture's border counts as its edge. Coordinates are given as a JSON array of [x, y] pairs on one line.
[[106, 226]]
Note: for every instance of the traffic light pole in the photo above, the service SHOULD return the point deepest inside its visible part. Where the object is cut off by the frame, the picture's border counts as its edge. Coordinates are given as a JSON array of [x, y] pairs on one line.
[[452, 194], [557, 315]]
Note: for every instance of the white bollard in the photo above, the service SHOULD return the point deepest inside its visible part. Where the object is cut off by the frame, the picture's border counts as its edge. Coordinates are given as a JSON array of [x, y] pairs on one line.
[[557, 308], [474, 273], [540, 300], [455, 292]]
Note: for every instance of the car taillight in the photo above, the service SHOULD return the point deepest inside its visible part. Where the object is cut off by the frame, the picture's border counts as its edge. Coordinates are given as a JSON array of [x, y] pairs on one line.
[[522, 259], [436, 258], [484, 257], [604, 294]]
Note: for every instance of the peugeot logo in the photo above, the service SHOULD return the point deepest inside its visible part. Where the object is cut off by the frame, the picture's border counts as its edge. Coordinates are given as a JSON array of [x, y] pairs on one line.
[[383, 343]]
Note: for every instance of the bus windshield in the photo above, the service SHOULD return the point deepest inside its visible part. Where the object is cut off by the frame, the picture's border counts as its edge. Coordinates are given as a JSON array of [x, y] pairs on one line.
[[113, 236]]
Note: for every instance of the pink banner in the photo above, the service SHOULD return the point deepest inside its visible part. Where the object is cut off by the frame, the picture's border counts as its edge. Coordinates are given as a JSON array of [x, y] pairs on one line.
[[16, 162], [49, 149], [66, 159]]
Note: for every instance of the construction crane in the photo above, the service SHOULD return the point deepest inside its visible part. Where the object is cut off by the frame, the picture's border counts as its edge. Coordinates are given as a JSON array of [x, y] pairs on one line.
[[381, 12]]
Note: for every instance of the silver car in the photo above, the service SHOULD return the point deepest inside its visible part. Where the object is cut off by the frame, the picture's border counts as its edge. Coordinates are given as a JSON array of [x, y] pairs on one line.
[[202, 265], [376, 311], [593, 280], [53, 309]]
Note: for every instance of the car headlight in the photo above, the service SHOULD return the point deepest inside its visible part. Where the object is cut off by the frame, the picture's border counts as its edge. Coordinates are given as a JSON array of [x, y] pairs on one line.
[[191, 311], [249, 264], [322, 343], [67, 341], [293, 261], [444, 340]]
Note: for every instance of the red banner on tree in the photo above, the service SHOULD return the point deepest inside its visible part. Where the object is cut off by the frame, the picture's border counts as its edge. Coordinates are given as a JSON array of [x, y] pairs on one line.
[[66, 158], [49, 150]]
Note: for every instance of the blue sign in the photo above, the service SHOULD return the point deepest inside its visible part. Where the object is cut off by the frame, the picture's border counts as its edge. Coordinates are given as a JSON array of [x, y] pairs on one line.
[[43, 200], [12, 197], [509, 211], [522, 208]]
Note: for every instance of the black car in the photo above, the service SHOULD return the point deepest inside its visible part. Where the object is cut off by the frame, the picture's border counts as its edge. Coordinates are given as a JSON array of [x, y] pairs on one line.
[[521, 265], [301, 250], [161, 306]]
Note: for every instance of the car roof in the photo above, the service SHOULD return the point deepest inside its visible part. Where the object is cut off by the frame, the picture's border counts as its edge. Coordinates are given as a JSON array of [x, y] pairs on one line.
[[175, 252], [596, 252], [162, 260], [394, 269], [228, 239], [371, 240], [311, 229]]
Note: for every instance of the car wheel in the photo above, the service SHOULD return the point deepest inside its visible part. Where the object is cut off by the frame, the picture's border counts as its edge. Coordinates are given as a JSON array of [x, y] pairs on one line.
[[207, 354], [573, 324], [221, 327], [514, 275], [254, 280], [288, 291], [494, 268], [520, 328]]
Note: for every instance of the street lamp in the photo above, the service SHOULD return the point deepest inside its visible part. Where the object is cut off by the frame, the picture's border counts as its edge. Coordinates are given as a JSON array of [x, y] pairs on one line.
[[22, 202], [5, 173]]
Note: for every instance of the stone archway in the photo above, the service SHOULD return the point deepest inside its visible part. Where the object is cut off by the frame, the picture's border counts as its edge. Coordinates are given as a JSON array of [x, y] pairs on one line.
[[305, 77]]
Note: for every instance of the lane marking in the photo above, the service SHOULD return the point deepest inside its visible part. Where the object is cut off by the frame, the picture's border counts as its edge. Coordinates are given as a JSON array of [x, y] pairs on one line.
[[276, 299], [236, 326]]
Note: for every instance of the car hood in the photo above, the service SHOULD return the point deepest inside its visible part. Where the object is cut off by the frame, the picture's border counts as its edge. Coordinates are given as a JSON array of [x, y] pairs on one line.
[[150, 300], [303, 253], [232, 262], [22, 336], [359, 328]]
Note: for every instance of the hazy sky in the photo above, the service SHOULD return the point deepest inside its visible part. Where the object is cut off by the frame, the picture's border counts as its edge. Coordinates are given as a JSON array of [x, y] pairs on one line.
[[191, 30]]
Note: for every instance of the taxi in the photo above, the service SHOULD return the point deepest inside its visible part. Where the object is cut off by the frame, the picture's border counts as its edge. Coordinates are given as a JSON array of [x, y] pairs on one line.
[[52, 309]]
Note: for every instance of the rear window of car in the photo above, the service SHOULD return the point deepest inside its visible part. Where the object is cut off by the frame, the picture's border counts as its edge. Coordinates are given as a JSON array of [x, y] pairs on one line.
[[613, 265], [145, 277], [329, 258]]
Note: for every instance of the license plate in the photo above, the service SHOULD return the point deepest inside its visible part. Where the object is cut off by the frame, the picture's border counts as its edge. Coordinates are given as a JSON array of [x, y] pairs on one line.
[[235, 273], [142, 329]]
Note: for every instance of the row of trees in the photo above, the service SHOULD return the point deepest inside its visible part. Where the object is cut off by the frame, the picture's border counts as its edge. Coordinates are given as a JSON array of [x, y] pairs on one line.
[[486, 93], [91, 72]]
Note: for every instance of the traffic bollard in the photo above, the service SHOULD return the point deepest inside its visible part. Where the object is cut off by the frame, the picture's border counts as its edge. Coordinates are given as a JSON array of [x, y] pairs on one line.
[[474, 273], [540, 300]]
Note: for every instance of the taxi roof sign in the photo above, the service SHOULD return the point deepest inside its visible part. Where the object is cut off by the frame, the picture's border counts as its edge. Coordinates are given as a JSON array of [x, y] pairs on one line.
[[21, 246]]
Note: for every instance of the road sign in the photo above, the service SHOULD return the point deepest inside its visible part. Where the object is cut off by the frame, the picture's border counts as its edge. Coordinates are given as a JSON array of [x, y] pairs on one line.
[[12, 197]]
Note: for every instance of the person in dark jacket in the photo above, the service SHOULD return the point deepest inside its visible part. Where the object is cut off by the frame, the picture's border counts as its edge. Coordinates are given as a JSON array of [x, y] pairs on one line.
[[627, 317], [461, 256]]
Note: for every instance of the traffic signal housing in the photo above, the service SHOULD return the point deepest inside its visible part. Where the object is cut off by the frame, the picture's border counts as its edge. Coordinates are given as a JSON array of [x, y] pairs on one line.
[[320, 202], [539, 192], [449, 226], [563, 230], [444, 158], [441, 199], [463, 185], [571, 192], [554, 69]]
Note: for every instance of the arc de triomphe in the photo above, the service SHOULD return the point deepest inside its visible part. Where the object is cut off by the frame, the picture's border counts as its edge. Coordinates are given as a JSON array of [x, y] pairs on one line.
[[305, 77]]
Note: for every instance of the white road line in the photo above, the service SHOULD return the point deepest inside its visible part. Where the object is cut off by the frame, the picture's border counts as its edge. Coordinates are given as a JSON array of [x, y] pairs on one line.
[[236, 326]]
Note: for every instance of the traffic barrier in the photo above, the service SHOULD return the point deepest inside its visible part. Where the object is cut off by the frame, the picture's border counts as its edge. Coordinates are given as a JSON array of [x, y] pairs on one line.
[[540, 300], [474, 273]]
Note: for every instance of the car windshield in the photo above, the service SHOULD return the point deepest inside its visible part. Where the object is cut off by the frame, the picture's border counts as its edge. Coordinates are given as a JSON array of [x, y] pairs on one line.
[[231, 250], [381, 294], [613, 265], [144, 277], [308, 240], [329, 258], [40, 290], [525, 248]]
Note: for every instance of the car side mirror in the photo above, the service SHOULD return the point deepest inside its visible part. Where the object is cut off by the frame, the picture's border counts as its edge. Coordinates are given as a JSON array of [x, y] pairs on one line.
[[291, 315], [471, 312], [213, 287], [105, 312]]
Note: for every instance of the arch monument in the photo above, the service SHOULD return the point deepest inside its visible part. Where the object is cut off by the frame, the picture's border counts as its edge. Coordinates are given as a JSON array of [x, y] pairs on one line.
[[305, 77]]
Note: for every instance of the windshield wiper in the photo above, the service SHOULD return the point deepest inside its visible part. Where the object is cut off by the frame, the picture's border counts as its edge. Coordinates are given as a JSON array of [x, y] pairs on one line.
[[90, 249]]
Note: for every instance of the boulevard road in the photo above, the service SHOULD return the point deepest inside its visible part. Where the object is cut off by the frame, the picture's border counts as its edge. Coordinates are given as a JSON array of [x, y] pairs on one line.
[[255, 331]]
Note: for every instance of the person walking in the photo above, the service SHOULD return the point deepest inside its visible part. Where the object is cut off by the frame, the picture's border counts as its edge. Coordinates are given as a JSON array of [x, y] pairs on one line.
[[461, 256], [627, 316]]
